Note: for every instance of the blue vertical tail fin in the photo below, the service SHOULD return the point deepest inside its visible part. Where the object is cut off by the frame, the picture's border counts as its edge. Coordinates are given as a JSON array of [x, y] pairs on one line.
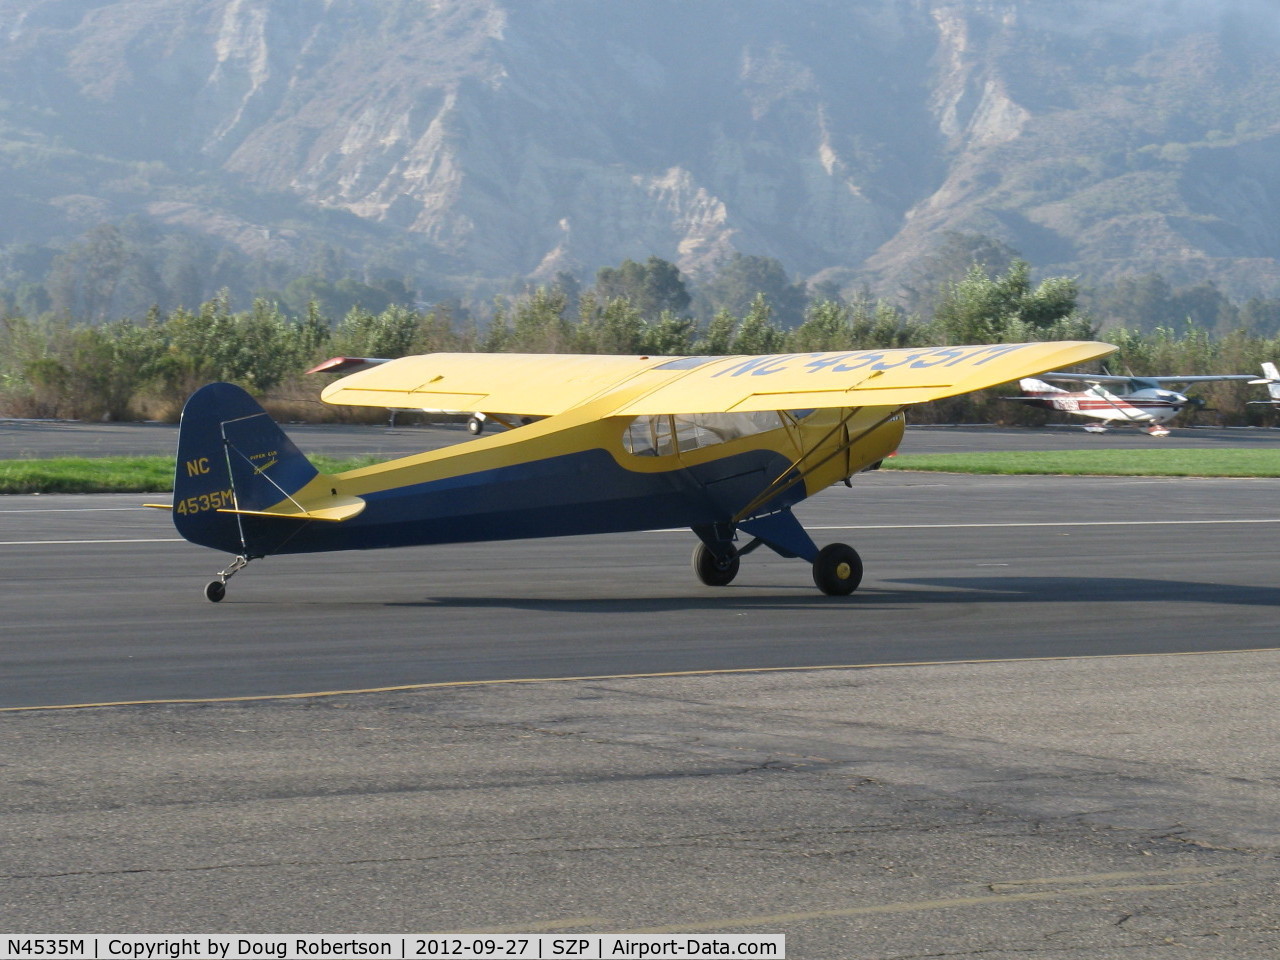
[[232, 457]]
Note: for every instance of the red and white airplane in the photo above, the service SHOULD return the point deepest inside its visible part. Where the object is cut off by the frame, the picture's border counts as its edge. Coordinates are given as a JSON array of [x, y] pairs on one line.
[[1143, 401]]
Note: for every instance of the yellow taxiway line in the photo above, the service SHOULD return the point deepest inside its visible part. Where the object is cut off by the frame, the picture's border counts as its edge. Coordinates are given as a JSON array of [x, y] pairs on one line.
[[454, 684], [1055, 888]]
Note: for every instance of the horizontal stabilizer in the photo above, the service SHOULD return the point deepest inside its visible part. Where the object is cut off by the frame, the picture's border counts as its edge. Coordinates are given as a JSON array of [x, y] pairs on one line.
[[332, 509]]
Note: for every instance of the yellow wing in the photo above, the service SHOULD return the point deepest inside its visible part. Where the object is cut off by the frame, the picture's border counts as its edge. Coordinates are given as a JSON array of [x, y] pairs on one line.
[[547, 384], [890, 378], [512, 383]]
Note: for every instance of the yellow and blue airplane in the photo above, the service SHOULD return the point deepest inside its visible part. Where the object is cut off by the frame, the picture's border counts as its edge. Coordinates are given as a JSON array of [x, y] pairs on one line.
[[725, 446]]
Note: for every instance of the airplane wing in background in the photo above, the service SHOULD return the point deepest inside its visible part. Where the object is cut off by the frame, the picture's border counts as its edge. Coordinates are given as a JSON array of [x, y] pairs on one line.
[[1060, 376], [1202, 379]]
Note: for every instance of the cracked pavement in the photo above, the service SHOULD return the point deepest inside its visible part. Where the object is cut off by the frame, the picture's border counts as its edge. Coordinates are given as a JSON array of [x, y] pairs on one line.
[[1112, 807]]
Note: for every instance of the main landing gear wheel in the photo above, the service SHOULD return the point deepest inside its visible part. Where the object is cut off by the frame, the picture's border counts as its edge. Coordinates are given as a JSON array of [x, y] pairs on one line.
[[215, 590], [838, 570], [475, 426], [711, 570]]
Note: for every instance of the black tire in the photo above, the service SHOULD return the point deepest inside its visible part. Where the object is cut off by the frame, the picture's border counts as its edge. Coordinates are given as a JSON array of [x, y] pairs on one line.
[[214, 591], [475, 426], [838, 570], [711, 571]]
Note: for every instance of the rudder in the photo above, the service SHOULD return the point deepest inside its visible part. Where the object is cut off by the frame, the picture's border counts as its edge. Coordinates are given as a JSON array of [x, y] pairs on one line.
[[232, 456]]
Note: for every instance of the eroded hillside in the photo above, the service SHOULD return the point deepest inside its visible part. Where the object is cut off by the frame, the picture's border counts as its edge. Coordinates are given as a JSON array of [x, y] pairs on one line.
[[498, 138]]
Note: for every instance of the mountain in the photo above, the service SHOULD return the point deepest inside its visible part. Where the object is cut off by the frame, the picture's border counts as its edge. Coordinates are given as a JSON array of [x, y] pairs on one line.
[[457, 141]]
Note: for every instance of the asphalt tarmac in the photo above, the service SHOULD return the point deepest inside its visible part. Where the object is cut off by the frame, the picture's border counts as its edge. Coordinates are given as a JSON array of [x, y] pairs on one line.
[[32, 439], [105, 604], [1044, 725]]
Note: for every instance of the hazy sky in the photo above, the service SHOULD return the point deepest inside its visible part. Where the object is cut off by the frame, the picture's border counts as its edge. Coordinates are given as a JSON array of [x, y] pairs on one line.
[[1152, 14]]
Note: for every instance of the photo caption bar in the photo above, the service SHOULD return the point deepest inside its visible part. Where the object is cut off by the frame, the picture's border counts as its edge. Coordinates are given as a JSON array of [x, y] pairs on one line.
[[469, 946]]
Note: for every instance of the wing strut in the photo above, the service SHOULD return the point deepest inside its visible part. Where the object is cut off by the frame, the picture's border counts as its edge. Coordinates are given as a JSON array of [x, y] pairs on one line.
[[792, 475], [1111, 400]]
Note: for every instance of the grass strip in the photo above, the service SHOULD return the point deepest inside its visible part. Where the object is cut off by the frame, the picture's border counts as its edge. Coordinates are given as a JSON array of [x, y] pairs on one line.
[[155, 474], [1168, 462], [117, 474]]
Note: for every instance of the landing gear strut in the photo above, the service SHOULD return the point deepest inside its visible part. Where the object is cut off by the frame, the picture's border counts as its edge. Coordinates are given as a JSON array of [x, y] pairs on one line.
[[215, 590], [837, 568]]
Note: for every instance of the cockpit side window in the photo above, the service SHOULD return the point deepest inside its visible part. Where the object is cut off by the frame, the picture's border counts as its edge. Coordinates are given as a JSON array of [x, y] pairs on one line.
[[649, 436], [660, 435]]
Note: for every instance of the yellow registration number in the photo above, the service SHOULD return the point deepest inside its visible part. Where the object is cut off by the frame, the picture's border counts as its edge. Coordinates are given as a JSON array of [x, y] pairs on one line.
[[216, 500]]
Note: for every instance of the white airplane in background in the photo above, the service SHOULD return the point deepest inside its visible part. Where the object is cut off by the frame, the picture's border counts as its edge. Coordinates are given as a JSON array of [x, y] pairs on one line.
[[1270, 377], [1113, 399]]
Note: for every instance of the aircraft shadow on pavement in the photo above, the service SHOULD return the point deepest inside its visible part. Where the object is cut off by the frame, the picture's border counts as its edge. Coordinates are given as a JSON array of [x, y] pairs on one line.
[[1075, 590], [940, 590], [611, 605]]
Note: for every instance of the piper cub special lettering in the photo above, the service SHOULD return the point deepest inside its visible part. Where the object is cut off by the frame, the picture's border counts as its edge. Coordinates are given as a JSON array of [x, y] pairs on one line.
[[725, 446]]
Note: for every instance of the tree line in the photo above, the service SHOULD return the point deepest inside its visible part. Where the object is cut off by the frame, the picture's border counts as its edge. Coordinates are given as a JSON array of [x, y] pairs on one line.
[[122, 269], [125, 369]]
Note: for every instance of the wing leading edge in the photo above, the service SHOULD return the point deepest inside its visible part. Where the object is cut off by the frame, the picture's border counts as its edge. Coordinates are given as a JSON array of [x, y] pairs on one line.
[[890, 378], [547, 384]]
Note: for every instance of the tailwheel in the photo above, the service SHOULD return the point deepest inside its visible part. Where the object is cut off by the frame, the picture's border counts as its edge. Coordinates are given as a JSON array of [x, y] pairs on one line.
[[837, 570], [712, 570], [215, 590]]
